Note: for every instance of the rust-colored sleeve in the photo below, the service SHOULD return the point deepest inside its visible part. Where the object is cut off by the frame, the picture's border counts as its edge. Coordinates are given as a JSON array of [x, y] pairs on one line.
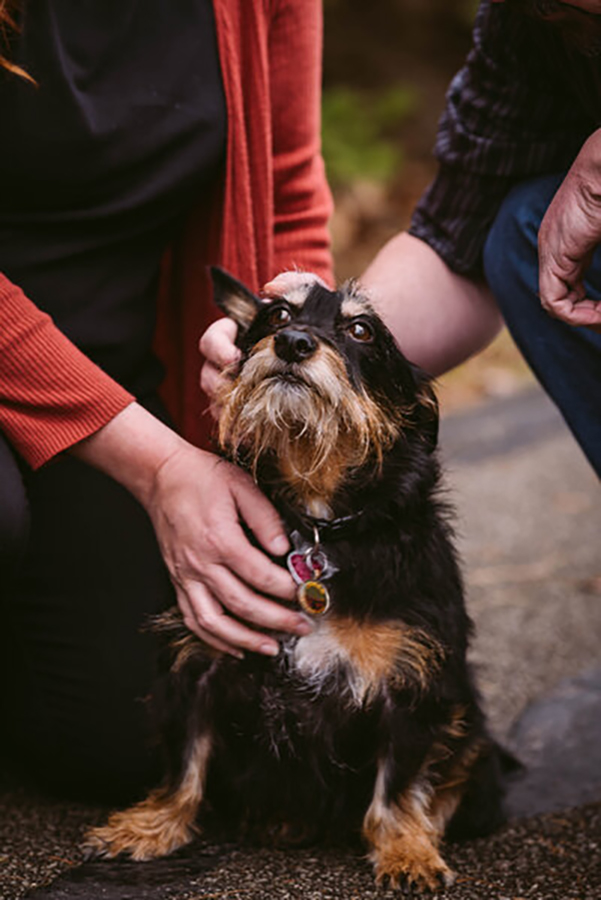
[[51, 395], [303, 203]]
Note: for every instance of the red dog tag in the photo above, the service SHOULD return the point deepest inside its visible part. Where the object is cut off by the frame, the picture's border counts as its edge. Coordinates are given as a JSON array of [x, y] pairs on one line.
[[305, 566], [299, 569]]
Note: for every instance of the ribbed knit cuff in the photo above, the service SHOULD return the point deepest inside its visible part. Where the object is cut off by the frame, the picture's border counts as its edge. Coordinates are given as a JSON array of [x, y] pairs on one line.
[[51, 395]]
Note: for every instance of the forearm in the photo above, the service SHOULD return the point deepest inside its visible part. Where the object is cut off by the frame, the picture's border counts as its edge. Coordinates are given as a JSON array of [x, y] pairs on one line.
[[438, 318], [51, 395], [131, 448]]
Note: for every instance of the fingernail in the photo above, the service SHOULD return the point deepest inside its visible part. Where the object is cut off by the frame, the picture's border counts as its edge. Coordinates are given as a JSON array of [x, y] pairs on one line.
[[303, 627], [280, 545], [269, 649]]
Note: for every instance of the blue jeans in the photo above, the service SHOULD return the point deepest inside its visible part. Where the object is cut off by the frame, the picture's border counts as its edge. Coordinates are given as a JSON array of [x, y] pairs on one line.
[[566, 360]]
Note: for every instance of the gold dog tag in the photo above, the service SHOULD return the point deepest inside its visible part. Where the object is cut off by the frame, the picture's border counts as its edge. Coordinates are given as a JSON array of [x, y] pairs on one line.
[[313, 597]]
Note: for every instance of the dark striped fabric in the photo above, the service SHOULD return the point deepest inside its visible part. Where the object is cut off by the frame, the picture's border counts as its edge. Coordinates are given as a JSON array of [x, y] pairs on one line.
[[523, 105]]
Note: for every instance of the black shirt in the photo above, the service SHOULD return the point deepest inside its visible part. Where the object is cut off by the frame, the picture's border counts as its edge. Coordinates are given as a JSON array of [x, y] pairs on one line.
[[100, 163]]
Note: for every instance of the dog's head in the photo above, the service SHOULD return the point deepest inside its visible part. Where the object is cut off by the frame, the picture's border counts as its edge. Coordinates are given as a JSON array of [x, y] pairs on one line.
[[322, 390]]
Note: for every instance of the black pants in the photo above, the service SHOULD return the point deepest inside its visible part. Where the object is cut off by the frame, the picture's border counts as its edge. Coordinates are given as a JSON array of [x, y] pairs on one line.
[[80, 571]]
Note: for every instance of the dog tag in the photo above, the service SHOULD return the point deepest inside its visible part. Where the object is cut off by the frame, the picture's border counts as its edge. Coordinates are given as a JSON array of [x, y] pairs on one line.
[[305, 566], [313, 598]]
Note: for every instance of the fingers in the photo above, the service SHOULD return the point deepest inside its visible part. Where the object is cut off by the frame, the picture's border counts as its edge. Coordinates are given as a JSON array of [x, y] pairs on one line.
[[217, 344], [289, 282], [211, 379], [254, 568], [556, 294], [231, 596], [226, 543], [223, 629], [220, 352], [191, 622], [206, 608], [568, 302], [578, 313], [260, 516]]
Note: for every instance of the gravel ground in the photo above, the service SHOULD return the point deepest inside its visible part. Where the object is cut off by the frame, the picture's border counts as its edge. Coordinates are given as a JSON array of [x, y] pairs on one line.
[[552, 857], [529, 521]]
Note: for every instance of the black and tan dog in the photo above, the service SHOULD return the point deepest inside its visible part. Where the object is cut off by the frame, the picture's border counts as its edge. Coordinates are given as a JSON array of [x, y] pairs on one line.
[[370, 724]]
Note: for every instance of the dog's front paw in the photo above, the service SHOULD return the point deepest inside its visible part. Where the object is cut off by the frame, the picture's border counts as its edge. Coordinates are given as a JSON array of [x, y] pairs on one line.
[[424, 872], [144, 832]]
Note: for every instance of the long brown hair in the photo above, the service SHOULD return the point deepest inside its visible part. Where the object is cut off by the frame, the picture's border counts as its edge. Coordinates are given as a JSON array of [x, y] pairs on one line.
[[8, 26]]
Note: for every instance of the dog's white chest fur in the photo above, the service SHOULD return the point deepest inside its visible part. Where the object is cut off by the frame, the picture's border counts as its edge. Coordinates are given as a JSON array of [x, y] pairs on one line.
[[316, 657]]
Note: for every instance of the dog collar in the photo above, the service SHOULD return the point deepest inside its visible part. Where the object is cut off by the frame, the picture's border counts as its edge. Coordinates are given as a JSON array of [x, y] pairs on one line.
[[324, 531], [309, 564]]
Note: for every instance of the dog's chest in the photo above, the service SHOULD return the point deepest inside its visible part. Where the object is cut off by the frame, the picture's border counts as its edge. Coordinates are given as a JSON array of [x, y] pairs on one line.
[[342, 658]]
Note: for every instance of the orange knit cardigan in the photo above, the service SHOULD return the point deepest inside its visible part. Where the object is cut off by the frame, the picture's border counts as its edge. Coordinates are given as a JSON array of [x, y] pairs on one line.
[[270, 213]]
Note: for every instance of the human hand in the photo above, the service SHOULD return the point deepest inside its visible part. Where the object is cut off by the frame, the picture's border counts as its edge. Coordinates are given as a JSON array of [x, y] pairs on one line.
[[197, 502], [289, 282], [219, 350], [569, 234], [196, 506]]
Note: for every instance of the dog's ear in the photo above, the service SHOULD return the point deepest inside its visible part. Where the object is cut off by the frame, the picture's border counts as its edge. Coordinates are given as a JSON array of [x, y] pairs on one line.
[[234, 299], [426, 411]]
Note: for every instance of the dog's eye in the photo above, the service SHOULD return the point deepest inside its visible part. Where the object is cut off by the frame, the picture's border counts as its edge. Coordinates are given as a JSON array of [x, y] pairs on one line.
[[279, 316], [361, 331]]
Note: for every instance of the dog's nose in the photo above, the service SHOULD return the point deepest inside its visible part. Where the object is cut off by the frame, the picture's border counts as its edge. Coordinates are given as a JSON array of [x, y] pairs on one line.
[[294, 345]]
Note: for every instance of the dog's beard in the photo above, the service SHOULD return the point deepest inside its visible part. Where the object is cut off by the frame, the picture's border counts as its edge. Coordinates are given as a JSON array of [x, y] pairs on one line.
[[306, 417]]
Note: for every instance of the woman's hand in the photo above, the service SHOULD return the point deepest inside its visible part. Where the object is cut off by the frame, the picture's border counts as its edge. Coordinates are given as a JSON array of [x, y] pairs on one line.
[[569, 233], [197, 504]]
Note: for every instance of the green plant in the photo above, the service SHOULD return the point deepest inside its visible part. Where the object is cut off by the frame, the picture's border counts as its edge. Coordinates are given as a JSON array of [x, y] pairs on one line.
[[360, 132]]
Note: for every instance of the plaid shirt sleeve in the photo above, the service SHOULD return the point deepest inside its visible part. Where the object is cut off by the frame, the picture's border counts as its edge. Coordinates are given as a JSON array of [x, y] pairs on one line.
[[509, 115]]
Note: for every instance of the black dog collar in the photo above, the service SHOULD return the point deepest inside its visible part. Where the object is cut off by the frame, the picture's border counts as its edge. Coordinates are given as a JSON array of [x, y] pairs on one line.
[[328, 530]]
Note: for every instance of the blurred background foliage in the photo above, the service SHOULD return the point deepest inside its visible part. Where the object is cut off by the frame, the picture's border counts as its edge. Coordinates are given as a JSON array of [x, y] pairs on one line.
[[387, 65], [358, 133]]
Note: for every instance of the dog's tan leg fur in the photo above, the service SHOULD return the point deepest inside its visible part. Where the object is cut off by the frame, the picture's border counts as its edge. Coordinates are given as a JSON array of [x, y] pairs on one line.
[[160, 824], [404, 839]]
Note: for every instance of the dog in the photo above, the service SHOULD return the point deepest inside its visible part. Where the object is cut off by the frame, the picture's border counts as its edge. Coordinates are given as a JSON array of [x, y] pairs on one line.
[[371, 724]]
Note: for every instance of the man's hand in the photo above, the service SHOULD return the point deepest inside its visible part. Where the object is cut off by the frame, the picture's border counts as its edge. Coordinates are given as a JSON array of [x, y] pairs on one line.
[[569, 234]]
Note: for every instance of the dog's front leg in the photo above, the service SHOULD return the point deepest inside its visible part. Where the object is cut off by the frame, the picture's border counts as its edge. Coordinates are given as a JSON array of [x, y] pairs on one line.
[[402, 835], [161, 823]]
